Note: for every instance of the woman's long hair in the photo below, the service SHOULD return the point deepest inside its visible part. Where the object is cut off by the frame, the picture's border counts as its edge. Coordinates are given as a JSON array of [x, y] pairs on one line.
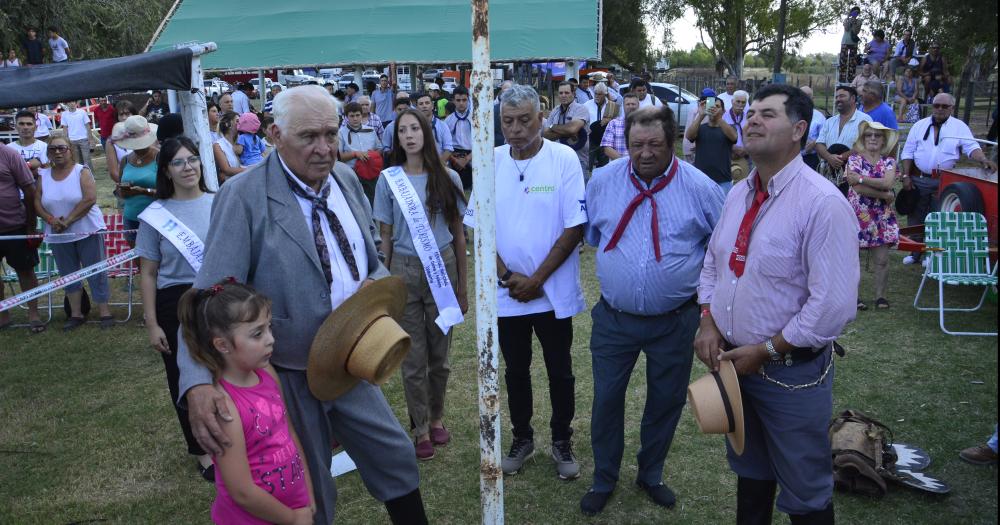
[[442, 194], [227, 122], [168, 150]]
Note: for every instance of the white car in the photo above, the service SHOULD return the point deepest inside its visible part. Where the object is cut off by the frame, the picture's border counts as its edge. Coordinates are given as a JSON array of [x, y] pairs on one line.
[[449, 84], [680, 100], [215, 87]]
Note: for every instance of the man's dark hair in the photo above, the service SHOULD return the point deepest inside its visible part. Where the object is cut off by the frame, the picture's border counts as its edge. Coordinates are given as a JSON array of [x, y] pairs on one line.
[[246, 86], [630, 95], [843, 87], [54, 29], [401, 100], [574, 81], [383, 75], [352, 107], [879, 34], [566, 83], [353, 86], [339, 95], [24, 114], [650, 116], [460, 90], [638, 82], [421, 95], [798, 105], [330, 84], [439, 81], [125, 104]]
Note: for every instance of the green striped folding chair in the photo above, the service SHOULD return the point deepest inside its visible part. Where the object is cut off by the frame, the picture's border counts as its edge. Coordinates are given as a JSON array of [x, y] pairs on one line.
[[44, 271], [959, 256]]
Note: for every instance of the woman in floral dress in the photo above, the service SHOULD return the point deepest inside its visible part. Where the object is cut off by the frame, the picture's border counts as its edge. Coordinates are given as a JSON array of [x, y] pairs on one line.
[[871, 173]]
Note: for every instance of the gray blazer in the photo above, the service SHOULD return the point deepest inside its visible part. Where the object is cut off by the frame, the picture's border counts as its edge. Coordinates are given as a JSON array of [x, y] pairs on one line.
[[259, 235]]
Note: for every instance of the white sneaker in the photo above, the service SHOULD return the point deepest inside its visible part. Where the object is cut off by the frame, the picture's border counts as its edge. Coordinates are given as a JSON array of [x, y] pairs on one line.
[[909, 259]]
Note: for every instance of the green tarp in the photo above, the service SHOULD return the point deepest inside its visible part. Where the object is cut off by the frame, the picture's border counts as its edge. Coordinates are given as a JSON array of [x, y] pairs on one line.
[[264, 34]]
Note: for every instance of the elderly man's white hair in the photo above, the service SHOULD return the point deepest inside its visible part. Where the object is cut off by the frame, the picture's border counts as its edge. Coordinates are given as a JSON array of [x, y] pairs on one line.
[[364, 98], [519, 95], [740, 93], [310, 95], [946, 96], [601, 87]]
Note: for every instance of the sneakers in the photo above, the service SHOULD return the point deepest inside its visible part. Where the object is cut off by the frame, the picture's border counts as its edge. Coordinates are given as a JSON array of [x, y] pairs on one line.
[[660, 494], [520, 451], [566, 465], [979, 455], [909, 259], [594, 502]]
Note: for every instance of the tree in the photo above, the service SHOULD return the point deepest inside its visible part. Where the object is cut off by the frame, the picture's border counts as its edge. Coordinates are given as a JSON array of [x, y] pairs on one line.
[[94, 29], [626, 40], [737, 27]]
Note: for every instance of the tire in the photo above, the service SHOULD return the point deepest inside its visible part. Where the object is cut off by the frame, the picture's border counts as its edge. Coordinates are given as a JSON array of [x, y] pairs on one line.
[[961, 196]]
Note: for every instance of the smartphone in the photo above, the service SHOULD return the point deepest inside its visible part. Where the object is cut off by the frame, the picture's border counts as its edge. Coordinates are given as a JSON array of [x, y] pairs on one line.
[[709, 102]]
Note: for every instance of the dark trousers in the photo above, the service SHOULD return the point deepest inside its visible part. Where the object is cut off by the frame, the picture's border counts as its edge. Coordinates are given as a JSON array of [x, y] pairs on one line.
[[926, 203], [556, 338], [166, 317], [615, 342]]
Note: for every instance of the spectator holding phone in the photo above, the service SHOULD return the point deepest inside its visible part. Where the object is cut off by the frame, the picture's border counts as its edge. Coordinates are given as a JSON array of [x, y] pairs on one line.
[[713, 140]]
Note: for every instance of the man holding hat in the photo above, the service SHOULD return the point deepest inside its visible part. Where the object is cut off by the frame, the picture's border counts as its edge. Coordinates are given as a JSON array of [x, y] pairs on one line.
[[298, 228], [778, 286], [651, 216]]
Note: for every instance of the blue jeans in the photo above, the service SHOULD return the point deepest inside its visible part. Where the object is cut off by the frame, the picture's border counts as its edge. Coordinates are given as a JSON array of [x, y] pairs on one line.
[[72, 256], [615, 342]]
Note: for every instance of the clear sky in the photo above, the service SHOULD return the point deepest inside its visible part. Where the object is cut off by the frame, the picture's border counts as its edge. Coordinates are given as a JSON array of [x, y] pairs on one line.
[[686, 35]]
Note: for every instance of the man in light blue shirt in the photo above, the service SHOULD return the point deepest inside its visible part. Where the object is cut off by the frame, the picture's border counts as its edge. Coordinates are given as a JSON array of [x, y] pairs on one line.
[[841, 128], [382, 98], [874, 107], [651, 216]]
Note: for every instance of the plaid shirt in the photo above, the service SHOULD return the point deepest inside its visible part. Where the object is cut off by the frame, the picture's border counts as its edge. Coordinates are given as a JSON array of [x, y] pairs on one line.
[[375, 123], [614, 136]]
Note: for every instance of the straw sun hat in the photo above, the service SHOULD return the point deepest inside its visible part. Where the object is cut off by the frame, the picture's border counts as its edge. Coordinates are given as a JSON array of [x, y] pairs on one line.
[[134, 133], [890, 136], [717, 405], [360, 340]]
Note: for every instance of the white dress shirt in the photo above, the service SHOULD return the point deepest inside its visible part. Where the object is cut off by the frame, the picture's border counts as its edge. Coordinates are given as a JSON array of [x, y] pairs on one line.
[[343, 284], [954, 138]]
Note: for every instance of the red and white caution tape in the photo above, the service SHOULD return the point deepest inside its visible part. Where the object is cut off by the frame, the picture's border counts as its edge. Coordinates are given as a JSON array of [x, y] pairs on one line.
[[61, 236], [66, 280]]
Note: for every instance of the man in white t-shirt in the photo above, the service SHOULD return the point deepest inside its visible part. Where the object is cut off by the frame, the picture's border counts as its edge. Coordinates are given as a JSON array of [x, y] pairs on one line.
[[642, 90], [58, 46], [43, 125], [541, 210], [731, 84], [32, 150], [77, 125]]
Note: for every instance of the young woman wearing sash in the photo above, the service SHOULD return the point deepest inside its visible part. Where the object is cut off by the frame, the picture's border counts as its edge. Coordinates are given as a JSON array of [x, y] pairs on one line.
[[170, 245], [420, 205]]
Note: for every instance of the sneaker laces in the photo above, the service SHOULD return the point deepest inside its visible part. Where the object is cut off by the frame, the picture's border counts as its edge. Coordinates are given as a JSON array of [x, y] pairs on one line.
[[517, 447], [564, 449]]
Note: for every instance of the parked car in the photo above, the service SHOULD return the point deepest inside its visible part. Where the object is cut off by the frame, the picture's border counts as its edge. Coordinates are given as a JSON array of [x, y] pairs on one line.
[[449, 84], [680, 100], [215, 87], [431, 74]]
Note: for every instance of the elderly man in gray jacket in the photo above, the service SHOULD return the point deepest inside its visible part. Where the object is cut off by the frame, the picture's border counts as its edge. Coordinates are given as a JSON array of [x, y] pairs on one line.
[[298, 228]]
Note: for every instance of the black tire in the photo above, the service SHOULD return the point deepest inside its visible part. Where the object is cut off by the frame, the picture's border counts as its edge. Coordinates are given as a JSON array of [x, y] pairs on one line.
[[961, 196]]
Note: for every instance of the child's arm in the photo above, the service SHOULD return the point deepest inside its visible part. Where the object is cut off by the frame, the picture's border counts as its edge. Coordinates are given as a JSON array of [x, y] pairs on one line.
[[298, 445], [239, 483]]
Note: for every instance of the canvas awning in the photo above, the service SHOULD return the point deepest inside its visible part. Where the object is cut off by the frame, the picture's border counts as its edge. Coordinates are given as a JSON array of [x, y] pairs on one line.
[[52, 83], [263, 34]]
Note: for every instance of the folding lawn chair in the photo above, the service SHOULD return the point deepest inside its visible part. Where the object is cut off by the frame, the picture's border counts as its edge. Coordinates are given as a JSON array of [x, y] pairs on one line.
[[959, 255], [44, 271], [114, 244]]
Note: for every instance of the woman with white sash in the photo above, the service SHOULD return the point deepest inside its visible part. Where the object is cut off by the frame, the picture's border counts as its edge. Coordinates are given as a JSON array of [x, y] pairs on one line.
[[420, 204], [170, 245]]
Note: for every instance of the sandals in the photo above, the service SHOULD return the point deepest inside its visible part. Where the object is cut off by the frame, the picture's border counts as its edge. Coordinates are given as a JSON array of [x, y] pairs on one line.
[[881, 303], [73, 323], [107, 322], [862, 306]]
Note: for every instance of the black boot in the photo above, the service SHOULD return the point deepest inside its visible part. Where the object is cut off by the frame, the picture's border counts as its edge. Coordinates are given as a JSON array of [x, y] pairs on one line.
[[819, 517], [754, 501], [407, 510]]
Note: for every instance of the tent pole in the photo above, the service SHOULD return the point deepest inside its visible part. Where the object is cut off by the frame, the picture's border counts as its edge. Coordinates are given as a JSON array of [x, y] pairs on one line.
[[487, 345], [194, 112], [262, 89]]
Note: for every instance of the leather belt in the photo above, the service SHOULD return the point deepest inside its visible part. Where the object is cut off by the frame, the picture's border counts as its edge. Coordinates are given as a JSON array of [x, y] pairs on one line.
[[692, 301], [931, 175]]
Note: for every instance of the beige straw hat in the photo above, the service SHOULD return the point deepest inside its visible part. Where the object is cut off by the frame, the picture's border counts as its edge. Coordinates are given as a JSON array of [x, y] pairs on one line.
[[360, 340], [717, 405], [134, 133]]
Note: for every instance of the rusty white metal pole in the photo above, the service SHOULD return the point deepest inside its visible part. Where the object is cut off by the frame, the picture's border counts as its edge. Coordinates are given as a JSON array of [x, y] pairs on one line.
[[194, 113], [487, 345]]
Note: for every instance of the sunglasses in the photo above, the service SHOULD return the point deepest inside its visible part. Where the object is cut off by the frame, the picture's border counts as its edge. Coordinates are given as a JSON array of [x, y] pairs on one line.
[[193, 160], [941, 106], [59, 149]]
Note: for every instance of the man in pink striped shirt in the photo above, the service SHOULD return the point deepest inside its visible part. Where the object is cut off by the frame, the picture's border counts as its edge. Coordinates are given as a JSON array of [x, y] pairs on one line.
[[778, 285]]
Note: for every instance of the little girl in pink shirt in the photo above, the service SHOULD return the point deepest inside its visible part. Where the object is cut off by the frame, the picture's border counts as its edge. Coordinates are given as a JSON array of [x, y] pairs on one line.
[[262, 478]]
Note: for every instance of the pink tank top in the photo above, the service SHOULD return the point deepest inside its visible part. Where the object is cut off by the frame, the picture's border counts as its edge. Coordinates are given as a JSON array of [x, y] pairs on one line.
[[275, 464]]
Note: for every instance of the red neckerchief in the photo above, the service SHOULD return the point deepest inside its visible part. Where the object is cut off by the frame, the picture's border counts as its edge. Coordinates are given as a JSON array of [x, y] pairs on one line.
[[644, 193], [738, 259]]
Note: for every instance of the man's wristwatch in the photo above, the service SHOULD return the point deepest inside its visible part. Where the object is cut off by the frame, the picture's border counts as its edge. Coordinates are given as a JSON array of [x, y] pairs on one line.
[[773, 354], [502, 281]]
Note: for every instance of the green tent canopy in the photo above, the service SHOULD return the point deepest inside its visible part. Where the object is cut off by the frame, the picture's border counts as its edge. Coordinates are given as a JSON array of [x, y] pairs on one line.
[[265, 34]]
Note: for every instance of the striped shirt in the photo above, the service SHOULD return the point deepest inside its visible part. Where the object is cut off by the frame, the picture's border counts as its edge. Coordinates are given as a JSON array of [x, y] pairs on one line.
[[631, 278], [375, 122], [802, 268], [614, 136]]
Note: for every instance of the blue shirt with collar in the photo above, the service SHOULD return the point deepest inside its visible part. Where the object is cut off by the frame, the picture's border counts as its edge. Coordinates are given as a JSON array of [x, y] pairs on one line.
[[884, 115], [631, 278]]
